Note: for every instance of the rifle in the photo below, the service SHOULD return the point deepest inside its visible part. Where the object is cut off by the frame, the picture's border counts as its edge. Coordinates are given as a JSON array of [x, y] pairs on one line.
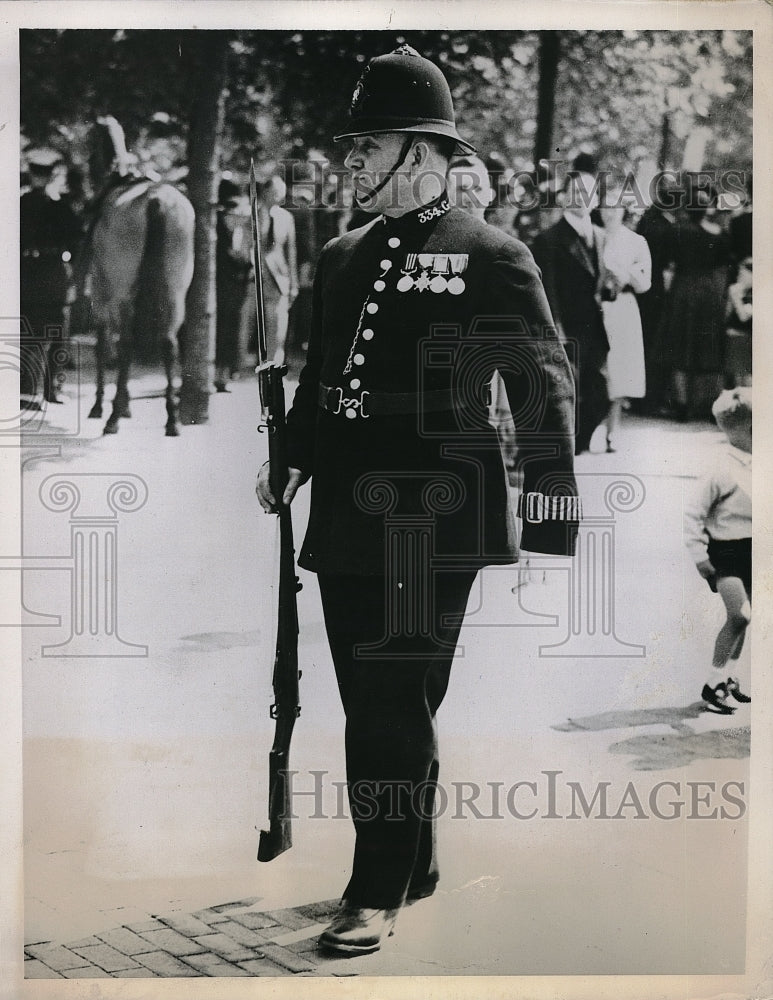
[[285, 710]]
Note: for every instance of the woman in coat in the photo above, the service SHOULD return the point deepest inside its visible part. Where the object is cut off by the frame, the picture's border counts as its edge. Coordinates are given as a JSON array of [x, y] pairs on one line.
[[629, 266], [694, 320]]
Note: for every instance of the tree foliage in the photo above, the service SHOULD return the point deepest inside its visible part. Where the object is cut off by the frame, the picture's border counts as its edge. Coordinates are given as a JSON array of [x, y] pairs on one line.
[[289, 90]]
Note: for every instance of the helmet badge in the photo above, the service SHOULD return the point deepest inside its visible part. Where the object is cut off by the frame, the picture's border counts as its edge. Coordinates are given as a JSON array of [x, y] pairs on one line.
[[359, 91]]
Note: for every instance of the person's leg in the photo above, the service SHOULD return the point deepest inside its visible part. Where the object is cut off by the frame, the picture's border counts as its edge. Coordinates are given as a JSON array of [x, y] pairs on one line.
[[56, 360], [426, 872], [593, 397], [282, 320], [729, 639], [738, 608], [391, 750], [613, 422], [681, 402]]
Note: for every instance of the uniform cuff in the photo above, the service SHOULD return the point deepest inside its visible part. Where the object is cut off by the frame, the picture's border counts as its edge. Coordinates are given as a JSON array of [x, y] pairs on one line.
[[537, 508]]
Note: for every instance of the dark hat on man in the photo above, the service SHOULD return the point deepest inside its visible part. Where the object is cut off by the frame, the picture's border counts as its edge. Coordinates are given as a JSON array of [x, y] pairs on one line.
[[228, 191], [585, 163], [403, 92], [42, 159]]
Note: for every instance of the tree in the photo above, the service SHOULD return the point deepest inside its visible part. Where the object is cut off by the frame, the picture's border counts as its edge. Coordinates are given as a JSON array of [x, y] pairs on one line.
[[615, 87], [289, 90], [204, 142], [549, 55]]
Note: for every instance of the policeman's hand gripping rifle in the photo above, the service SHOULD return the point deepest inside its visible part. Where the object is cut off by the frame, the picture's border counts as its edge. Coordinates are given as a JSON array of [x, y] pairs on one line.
[[285, 710]]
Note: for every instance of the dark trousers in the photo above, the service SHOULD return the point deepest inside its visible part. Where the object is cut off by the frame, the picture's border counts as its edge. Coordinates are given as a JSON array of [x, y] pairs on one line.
[[390, 698], [42, 349], [592, 395]]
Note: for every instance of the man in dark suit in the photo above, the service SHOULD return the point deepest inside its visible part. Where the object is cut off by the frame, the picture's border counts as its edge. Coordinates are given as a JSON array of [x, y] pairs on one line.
[[570, 255], [232, 284], [412, 314], [49, 235]]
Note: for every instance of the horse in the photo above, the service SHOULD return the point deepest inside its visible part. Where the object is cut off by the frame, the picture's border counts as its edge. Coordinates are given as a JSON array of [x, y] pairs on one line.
[[139, 249]]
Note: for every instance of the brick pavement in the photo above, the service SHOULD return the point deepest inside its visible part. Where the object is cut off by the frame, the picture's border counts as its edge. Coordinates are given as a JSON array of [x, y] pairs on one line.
[[230, 939]]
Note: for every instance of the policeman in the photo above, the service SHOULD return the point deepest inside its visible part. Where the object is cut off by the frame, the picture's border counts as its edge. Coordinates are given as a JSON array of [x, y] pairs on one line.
[[412, 314], [49, 234]]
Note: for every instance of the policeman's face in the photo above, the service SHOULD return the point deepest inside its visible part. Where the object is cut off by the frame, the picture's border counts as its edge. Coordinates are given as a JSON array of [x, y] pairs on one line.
[[370, 160]]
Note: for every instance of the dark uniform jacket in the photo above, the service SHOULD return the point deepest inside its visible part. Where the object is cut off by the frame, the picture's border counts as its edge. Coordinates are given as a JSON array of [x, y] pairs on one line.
[[414, 315], [47, 230]]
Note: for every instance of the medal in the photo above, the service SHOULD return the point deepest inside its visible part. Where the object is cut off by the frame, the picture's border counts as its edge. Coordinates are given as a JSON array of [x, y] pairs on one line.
[[439, 270], [405, 284], [422, 282], [458, 263]]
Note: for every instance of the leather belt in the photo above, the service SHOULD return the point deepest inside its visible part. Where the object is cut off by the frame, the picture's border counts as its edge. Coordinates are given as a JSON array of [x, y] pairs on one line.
[[379, 404]]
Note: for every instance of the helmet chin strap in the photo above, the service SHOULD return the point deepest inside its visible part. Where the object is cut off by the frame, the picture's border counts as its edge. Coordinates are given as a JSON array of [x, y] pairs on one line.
[[371, 195]]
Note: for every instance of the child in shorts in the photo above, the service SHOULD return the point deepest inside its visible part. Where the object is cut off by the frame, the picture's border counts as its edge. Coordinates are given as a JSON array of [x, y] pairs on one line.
[[718, 530]]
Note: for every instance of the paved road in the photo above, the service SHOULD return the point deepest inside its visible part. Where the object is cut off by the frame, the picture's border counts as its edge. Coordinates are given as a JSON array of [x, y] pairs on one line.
[[145, 775]]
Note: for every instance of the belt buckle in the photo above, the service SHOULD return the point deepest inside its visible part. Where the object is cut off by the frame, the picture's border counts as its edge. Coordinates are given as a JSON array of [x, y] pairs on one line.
[[535, 508], [352, 406]]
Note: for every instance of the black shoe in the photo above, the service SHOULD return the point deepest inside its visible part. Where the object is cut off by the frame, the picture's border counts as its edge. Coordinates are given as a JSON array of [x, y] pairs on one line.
[[357, 930], [732, 687], [716, 699]]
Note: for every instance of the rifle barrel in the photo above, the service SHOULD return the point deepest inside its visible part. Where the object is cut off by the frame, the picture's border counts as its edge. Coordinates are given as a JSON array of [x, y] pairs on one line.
[[260, 314]]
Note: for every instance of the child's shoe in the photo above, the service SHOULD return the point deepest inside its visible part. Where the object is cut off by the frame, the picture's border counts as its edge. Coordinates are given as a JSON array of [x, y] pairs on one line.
[[716, 699]]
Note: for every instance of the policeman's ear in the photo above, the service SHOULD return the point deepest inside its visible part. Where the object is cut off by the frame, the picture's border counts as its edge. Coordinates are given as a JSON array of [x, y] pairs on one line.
[[419, 155]]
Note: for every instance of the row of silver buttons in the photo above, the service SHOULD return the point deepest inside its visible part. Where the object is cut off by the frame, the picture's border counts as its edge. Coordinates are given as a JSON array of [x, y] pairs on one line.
[[355, 406]]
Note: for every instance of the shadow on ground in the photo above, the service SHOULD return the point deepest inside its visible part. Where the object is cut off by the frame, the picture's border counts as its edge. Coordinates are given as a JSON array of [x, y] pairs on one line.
[[205, 641], [656, 751]]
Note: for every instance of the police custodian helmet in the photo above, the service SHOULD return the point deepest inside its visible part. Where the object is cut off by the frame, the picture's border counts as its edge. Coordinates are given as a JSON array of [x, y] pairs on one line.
[[403, 92]]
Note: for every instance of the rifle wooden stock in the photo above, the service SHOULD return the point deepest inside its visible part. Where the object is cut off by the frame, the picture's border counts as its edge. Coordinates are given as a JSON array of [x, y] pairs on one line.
[[286, 708]]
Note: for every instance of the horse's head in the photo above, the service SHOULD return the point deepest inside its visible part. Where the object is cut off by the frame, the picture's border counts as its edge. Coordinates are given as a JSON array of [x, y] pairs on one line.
[[108, 150]]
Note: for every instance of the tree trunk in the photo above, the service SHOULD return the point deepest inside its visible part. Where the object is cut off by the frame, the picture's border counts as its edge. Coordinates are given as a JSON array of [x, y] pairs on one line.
[[548, 59], [206, 129], [666, 134]]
